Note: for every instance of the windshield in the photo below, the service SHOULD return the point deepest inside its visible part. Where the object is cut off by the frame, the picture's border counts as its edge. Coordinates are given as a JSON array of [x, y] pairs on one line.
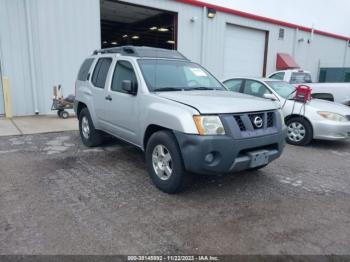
[[283, 89], [300, 78], [173, 75]]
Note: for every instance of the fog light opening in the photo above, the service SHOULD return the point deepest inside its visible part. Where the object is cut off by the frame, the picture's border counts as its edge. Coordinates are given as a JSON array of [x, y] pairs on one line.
[[209, 158]]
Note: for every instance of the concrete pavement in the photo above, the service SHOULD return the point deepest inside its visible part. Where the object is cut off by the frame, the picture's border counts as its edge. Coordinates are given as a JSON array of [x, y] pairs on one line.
[[59, 197], [36, 124]]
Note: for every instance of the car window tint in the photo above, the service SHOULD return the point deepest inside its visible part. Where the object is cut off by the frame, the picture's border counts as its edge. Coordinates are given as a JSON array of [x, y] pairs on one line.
[[255, 88], [278, 76], [234, 84], [101, 71], [123, 71], [84, 69]]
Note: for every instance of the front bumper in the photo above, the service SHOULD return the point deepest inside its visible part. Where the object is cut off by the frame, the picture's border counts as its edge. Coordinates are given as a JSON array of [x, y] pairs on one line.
[[230, 155], [331, 130]]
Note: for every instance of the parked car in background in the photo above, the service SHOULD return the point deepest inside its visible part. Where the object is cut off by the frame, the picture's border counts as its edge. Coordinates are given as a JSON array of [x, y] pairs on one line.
[[174, 110], [336, 92], [317, 119]]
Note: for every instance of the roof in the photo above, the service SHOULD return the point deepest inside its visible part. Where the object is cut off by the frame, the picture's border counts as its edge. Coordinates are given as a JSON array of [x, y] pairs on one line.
[[262, 18], [142, 51]]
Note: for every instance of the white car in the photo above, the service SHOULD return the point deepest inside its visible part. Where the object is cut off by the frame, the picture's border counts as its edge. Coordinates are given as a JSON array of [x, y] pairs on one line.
[[335, 92], [317, 119]]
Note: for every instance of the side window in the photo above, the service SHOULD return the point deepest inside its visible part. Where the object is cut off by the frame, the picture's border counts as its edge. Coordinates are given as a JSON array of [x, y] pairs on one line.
[[255, 88], [234, 84], [123, 71], [84, 69], [278, 76], [101, 71]]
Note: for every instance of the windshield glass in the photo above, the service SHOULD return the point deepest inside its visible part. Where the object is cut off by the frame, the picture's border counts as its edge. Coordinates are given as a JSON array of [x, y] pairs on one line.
[[283, 89], [173, 75], [300, 78]]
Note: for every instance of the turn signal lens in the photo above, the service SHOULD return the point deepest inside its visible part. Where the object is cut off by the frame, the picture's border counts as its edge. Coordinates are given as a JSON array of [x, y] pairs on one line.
[[209, 125]]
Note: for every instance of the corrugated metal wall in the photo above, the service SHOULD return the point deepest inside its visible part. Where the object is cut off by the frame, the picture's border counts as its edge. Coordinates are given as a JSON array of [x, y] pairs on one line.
[[53, 37], [50, 49]]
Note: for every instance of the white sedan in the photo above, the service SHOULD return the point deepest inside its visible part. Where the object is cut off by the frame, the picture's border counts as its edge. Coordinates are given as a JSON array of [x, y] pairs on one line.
[[317, 119]]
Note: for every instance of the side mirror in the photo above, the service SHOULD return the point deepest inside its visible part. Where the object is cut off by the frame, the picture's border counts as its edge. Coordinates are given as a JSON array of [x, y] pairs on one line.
[[270, 96], [130, 87]]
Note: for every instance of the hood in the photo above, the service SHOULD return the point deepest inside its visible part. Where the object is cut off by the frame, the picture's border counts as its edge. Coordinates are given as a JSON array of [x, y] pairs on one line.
[[220, 102], [323, 105]]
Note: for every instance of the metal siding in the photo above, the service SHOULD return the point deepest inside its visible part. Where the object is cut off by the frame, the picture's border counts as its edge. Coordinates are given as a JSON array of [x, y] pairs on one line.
[[14, 54], [64, 32]]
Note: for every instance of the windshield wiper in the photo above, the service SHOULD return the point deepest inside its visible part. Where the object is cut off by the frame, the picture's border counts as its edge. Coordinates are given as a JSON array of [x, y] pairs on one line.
[[165, 89], [199, 88]]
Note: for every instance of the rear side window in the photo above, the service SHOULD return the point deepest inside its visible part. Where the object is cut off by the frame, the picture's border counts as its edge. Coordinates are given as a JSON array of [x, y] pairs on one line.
[[84, 69], [300, 78], [278, 76], [123, 71], [101, 71], [234, 85]]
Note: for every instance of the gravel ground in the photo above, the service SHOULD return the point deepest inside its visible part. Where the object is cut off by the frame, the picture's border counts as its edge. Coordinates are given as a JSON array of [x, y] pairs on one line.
[[58, 197]]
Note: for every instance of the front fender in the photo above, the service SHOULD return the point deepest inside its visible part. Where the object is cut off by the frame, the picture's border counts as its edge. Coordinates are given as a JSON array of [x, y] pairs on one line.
[[172, 115]]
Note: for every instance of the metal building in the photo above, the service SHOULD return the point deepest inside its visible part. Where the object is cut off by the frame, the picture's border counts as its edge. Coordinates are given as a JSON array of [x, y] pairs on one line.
[[43, 42]]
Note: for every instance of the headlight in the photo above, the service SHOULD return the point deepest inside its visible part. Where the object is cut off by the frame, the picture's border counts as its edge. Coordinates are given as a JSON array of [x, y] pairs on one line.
[[209, 125], [333, 116], [282, 116]]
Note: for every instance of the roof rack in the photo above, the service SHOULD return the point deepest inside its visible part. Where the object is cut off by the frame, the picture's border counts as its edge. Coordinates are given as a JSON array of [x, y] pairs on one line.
[[142, 51]]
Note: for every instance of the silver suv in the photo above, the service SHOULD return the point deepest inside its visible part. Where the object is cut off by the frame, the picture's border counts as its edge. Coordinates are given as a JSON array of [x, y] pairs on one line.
[[179, 114]]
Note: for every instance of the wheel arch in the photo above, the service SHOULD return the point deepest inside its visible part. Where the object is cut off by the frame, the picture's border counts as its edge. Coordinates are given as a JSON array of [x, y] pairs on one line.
[[80, 107], [287, 118], [150, 130]]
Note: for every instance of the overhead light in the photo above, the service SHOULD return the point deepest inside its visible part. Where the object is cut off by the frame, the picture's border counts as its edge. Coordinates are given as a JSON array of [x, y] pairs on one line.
[[125, 36], [172, 42], [211, 13], [114, 43], [153, 28], [163, 29], [105, 42], [135, 37]]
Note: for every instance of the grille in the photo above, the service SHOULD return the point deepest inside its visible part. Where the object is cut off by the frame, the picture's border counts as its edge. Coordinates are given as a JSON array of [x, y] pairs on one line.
[[240, 123], [253, 117], [266, 120], [270, 119]]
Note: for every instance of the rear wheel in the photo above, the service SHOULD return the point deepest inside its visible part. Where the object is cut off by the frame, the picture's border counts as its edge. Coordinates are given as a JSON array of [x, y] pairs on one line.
[[90, 136], [299, 131], [164, 162]]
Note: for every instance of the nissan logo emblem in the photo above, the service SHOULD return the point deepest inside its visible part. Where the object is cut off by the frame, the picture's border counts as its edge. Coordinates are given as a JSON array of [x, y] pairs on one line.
[[258, 122]]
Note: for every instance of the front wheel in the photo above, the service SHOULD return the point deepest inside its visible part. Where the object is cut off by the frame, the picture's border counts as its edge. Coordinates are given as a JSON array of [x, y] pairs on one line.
[[164, 162], [299, 131]]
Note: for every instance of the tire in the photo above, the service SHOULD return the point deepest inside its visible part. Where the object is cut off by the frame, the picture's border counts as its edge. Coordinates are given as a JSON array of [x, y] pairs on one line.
[[64, 114], [299, 131], [59, 113], [91, 137], [168, 182]]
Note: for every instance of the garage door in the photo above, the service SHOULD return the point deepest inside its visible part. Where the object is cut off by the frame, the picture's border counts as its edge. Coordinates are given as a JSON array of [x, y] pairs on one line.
[[244, 52]]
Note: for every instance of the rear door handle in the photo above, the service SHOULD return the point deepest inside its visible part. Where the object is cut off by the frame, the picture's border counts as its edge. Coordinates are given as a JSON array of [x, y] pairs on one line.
[[109, 98]]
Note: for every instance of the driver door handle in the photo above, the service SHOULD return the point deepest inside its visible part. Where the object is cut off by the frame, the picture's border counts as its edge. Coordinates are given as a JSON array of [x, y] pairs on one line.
[[109, 98]]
